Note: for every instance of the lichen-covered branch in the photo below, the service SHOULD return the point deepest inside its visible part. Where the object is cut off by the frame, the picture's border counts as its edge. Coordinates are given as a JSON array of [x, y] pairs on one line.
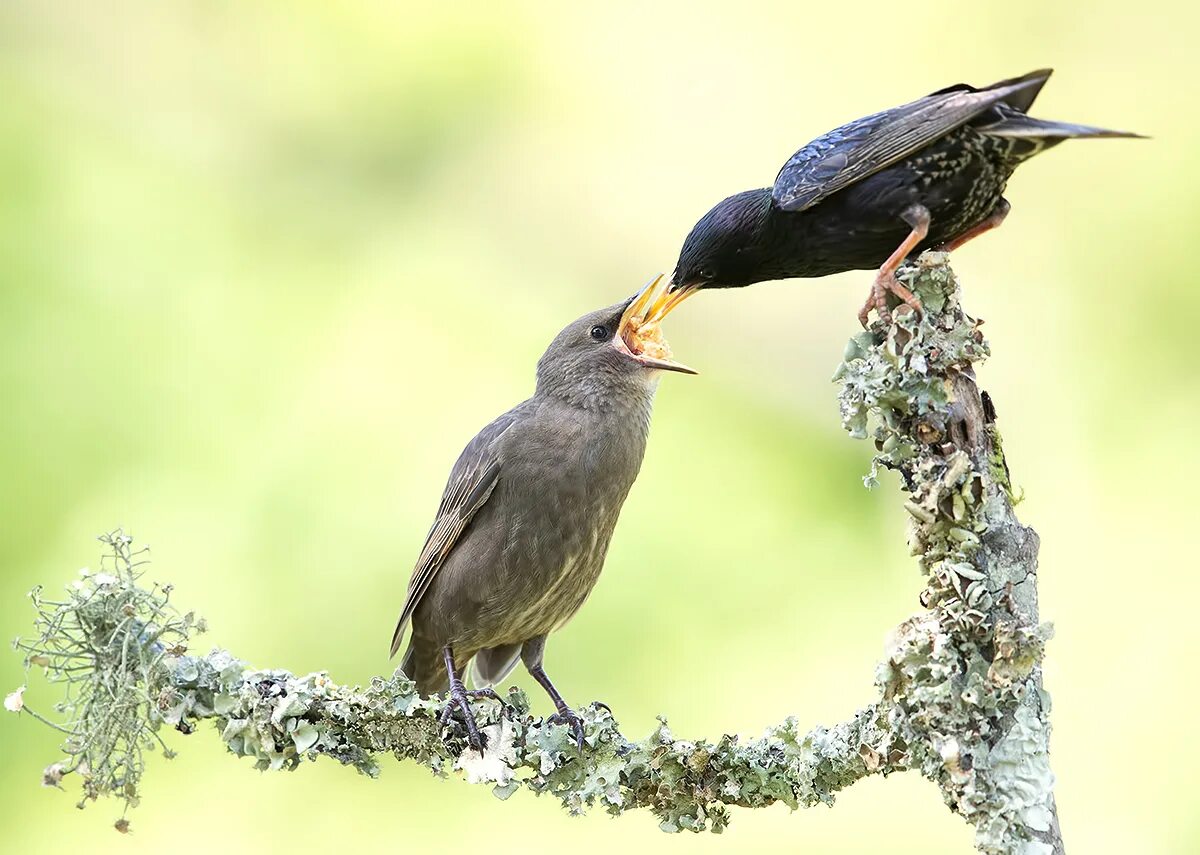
[[123, 652], [962, 681], [959, 692]]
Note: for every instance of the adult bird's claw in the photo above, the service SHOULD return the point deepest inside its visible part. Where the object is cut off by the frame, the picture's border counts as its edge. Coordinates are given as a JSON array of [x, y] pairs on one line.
[[877, 300], [568, 717]]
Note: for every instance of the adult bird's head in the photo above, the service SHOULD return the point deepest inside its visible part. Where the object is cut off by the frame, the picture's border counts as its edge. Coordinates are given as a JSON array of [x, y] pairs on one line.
[[727, 247], [610, 353]]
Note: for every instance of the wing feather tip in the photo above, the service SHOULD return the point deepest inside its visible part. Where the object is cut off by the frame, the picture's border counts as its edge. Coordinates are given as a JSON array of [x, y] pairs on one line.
[[397, 637]]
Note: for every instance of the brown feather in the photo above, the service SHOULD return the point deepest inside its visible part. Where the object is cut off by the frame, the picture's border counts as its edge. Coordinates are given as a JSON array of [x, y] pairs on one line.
[[470, 486]]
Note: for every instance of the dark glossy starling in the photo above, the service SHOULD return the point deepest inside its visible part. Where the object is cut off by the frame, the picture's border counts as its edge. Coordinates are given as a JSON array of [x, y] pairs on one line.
[[526, 517], [868, 194]]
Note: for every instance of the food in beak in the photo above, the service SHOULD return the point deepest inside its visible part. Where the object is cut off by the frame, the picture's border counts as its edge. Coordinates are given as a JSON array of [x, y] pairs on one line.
[[640, 332]]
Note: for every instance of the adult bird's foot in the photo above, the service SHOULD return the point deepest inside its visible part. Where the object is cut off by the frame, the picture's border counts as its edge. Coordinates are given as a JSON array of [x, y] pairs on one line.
[[568, 717], [917, 216], [877, 299], [459, 700]]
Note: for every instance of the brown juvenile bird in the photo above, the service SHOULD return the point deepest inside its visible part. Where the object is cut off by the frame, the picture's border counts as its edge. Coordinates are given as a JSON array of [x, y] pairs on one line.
[[527, 515]]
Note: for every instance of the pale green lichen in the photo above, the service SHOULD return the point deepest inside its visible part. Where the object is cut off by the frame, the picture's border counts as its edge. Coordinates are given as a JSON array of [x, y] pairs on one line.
[[108, 641], [960, 688]]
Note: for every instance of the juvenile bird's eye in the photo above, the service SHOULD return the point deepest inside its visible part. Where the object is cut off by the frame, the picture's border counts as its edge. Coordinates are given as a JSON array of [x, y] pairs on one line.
[[599, 332]]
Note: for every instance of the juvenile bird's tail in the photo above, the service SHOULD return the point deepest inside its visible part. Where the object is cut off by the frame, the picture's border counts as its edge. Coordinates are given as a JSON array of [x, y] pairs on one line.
[[493, 664], [427, 668]]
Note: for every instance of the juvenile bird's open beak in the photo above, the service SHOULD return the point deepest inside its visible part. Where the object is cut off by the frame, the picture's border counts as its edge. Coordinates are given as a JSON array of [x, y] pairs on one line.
[[639, 334]]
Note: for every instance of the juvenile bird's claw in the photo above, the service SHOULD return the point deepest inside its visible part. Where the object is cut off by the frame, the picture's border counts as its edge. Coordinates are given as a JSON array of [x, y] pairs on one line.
[[490, 694], [571, 719], [460, 700]]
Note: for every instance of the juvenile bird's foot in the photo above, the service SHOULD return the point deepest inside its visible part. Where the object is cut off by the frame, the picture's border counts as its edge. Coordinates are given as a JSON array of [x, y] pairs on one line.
[[488, 693], [459, 700], [877, 299], [568, 717], [532, 654]]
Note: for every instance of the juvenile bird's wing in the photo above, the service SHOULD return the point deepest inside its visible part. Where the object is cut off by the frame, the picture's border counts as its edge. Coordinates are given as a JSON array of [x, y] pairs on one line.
[[865, 146], [471, 483]]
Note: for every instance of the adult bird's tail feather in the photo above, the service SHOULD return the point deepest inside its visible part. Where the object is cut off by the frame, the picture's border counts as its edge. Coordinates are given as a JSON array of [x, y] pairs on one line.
[[1017, 92], [1025, 88], [1015, 124], [1027, 136]]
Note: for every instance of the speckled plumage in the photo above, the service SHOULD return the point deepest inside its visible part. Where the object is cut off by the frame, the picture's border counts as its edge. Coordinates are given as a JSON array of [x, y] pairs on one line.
[[845, 201]]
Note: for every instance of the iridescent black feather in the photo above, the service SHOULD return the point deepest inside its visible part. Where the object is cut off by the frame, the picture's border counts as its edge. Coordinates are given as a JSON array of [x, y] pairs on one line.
[[837, 204]]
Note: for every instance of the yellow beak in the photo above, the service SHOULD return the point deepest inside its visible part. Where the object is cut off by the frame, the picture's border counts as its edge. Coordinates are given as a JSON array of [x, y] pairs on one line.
[[639, 334]]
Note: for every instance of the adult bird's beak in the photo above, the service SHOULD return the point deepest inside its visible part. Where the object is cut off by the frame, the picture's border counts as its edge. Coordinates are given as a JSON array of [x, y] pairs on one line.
[[639, 334], [686, 288]]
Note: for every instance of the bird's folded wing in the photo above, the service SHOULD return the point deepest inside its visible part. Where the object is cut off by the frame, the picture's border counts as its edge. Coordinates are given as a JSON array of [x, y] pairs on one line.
[[855, 151], [471, 483]]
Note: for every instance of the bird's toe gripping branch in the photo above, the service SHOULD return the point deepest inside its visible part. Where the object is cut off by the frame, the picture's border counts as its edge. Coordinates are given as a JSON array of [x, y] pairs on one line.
[[459, 698], [572, 721], [886, 282]]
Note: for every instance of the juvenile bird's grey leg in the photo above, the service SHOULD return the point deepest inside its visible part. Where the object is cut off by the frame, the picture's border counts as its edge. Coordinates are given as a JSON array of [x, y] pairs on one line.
[[994, 219], [531, 655], [460, 699], [916, 216]]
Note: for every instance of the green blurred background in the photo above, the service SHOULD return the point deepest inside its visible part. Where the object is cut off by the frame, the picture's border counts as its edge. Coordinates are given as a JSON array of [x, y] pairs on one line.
[[266, 266]]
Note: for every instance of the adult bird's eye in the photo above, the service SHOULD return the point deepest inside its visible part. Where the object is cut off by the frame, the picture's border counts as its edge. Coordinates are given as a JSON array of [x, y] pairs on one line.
[[599, 333], [707, 273]]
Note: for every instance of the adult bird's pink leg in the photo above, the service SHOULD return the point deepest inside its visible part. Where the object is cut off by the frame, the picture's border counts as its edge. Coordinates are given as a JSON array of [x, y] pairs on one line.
[[918, 217]]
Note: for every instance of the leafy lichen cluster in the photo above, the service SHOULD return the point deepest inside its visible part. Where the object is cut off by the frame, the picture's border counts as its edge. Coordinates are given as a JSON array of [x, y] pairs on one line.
[[908, 386], [109, 643], [960, 695]]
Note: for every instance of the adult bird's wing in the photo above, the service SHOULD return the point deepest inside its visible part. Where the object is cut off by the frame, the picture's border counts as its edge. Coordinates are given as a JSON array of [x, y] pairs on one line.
[[471, 483], [855, 151]]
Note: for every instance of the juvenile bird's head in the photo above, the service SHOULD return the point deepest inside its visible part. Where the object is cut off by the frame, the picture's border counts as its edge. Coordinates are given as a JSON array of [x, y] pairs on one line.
[[612, 353], [725, 248]]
